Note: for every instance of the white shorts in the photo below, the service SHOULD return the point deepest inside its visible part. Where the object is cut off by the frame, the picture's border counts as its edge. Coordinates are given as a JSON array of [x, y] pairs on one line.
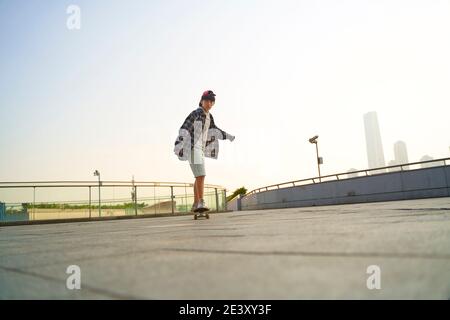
[[197, 162]]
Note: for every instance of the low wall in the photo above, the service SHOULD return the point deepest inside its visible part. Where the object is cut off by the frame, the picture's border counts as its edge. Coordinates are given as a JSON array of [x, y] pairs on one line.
[[412, 184], [235, 204], [161, 207]]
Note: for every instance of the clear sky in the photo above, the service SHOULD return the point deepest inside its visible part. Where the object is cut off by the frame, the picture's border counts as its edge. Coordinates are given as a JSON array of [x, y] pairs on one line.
[[112, 95]]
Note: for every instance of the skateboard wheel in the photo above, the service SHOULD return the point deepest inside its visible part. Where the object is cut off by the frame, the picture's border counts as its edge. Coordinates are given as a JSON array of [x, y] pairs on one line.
[[195, 217]]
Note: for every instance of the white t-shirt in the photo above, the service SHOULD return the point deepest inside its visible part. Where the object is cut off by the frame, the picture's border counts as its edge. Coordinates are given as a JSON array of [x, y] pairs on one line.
[[201, 143], [205, 129]]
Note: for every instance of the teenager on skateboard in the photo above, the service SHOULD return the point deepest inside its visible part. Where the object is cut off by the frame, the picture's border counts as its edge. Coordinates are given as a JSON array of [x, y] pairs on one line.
[[197, 139]]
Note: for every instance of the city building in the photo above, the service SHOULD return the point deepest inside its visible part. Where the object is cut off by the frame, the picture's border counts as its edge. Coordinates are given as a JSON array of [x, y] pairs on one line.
[[431, 164], [374, 146], [401, 153], [393, 163]]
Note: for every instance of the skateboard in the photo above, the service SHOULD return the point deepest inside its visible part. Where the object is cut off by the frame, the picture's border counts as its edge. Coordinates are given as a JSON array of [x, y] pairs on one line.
[[201, 213]]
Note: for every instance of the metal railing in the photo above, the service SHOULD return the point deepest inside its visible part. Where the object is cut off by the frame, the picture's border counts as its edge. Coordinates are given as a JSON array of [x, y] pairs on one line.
[[33, 200], [347, 175]]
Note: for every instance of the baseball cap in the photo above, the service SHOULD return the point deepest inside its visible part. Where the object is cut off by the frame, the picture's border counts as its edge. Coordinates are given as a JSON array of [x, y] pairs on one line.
[[207, 95]]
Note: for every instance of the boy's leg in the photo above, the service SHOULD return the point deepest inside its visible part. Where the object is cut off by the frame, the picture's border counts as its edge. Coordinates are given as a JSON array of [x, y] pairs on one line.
[[200, 181], [196, 197]]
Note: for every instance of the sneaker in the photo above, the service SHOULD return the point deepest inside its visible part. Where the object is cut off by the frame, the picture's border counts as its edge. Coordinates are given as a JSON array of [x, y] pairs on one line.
[[201, 207], [194, 206]]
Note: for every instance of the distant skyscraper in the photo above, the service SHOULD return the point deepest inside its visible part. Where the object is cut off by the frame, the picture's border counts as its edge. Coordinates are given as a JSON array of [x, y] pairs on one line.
[[375, 154], [392, 163], [426, 158], [401, 153], [427, 165]]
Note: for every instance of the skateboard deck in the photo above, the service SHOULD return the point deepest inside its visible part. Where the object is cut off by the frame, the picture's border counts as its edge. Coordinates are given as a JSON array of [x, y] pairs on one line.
[[201, 213]]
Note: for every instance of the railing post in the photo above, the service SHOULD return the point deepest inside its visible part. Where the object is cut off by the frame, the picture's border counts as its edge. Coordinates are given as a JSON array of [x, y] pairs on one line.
[[89, 202], [34, 202], [135, 200], [171, 198], [99, 200], [239, 202], [217, 200], [185, 199], [225, 202], [154, 197]]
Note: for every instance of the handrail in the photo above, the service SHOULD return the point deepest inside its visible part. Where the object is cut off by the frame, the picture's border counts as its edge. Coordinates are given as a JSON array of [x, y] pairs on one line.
[[336, 175], [20, 184], [172, 190], [118, 200]]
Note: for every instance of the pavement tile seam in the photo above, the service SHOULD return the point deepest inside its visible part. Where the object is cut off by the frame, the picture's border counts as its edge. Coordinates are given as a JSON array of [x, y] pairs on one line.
[[100, 291], [317, 254], [83, 259], [90, 234], [243, 252]]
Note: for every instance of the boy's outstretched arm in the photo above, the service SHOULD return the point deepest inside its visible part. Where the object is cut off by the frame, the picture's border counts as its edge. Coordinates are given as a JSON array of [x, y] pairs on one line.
[[225, 135]]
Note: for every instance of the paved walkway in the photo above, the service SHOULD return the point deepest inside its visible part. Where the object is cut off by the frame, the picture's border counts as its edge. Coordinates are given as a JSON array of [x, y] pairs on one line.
[[299, 253]]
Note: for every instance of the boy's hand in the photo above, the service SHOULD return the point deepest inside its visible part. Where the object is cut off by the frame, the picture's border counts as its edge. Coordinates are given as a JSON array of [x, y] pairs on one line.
[[230, 137]]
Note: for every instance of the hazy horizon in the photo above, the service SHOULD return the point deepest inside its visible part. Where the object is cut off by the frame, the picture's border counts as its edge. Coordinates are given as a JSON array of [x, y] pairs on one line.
[[112, 95]]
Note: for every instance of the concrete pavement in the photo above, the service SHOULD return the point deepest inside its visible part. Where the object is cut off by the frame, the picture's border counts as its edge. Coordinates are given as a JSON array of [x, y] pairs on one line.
[[296, 253]]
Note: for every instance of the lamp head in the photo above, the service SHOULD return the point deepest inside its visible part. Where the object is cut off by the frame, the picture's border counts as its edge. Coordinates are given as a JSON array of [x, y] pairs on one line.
[[313, 139]]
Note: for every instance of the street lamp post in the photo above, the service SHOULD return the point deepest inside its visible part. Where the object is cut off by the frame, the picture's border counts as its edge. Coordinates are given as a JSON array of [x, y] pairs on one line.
[[134, 196], [319, 160], [96, 173]]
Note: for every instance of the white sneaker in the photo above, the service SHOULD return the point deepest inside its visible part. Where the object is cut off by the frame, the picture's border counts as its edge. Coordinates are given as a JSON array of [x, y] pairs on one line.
[[194, 206], [201, 207]]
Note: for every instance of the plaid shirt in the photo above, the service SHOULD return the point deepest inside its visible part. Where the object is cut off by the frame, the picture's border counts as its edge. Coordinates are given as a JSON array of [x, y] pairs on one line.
[[193, 128]]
